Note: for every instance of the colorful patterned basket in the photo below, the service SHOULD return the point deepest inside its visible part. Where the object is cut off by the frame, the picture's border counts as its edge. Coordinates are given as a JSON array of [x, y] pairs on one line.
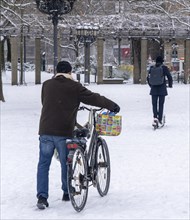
[[108, 125]]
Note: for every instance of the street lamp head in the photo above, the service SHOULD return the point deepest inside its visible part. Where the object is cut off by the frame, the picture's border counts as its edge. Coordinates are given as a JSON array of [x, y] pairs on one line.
[[87, 32], [55, 6]]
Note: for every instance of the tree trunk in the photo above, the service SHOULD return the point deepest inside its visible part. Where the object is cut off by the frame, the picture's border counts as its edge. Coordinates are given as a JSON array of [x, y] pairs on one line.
[[1, 88], [8, 50], [1, 65], [2, 55], [136, 50]]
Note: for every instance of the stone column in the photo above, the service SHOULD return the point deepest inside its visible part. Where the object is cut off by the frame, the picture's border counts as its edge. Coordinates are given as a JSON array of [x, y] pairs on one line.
[[143, 60], [187, 61], [14, 59], [37, 60], [100, 52]]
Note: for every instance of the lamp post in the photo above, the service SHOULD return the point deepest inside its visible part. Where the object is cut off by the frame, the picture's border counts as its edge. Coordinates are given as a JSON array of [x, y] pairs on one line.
[[87, 34], [55, 9], [118, 37]]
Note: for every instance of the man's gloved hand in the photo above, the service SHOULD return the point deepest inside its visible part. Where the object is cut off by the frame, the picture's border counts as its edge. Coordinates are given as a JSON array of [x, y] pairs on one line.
[[116, 109]]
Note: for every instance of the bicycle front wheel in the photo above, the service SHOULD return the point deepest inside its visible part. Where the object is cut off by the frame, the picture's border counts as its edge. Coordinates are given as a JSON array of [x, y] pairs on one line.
[[77, 180], [102, 167]]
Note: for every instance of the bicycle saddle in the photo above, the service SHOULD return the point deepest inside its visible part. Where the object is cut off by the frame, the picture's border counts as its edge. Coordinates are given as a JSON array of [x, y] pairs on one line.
[[83, 132]]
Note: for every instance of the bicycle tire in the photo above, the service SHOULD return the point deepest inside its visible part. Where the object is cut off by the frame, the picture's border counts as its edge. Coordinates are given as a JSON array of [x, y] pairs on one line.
[[77, 180], [103, 167]]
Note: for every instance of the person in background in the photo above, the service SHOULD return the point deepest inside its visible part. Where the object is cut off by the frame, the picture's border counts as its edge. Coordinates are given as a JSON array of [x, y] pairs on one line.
[[61, 97], [158, 92]]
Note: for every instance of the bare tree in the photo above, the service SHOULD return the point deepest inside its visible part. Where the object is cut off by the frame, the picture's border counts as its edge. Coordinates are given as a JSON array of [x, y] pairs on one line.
[[162, 18], [134, 14]]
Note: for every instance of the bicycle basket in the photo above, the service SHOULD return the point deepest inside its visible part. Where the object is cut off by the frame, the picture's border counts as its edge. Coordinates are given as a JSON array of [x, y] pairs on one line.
[[108, 125]]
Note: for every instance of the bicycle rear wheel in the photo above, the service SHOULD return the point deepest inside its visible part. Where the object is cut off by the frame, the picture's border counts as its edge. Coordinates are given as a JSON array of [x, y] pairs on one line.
[[102, 167], [77, 180]]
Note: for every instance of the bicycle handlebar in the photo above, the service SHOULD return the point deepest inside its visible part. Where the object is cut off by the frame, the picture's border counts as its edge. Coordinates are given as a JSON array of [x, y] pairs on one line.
[[89, 109]]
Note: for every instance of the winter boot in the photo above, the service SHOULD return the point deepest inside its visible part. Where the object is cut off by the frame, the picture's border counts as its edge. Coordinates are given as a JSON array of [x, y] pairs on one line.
[[65, 197], [42, 202]]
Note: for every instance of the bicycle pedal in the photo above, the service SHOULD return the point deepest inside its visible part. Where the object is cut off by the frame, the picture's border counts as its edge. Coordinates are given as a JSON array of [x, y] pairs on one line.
[[102, 164], [76, 193]]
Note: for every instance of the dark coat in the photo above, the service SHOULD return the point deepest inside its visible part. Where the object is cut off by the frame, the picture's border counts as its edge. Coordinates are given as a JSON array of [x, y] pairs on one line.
[[161, 89], [61, 98]]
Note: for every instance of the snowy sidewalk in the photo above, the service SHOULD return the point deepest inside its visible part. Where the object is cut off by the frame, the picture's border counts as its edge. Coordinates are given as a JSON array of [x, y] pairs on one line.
[[149, 169]]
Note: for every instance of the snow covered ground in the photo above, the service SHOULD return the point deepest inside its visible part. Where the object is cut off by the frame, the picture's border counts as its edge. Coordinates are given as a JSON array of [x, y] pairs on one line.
[[149, 169]]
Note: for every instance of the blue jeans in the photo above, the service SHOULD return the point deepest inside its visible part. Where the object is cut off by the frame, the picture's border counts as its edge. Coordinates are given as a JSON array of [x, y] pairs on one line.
[[48, 143]]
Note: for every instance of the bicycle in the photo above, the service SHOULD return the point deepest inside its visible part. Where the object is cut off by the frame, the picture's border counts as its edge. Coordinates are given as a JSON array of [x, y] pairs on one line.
[[87, 163]]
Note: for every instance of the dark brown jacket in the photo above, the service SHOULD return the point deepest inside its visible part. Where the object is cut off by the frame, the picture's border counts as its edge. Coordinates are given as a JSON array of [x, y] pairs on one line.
[[61, 98]]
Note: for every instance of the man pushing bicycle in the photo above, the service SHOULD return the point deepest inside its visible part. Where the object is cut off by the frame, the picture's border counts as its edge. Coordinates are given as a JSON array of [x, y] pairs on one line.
[[61, 97]]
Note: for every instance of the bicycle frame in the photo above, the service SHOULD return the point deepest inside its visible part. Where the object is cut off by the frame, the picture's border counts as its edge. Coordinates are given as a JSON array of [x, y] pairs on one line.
[[91, 149], [90, 145]]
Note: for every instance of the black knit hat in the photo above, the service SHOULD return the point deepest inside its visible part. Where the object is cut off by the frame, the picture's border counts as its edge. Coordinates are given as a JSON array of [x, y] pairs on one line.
[[64, 67], [159, 59]]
